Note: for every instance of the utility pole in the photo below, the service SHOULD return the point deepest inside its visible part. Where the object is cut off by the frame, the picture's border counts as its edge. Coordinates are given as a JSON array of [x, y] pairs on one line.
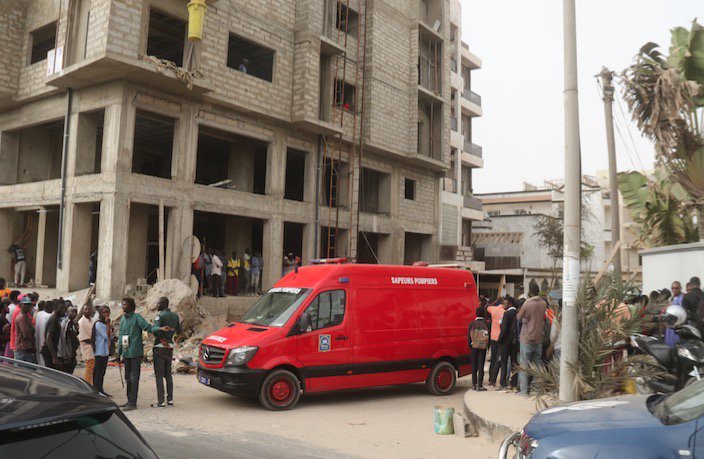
[[607, 77], [573, 191]]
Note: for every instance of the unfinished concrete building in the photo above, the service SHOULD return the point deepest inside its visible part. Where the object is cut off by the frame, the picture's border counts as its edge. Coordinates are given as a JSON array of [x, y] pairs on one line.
[[316, 127]]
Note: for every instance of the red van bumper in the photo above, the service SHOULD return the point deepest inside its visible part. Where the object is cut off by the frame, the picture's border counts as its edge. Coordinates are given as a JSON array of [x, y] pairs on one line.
[[233, 380]]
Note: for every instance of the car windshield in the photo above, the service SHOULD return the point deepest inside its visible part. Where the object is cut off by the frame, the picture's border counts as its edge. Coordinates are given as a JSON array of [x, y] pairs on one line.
[[276, 306], [682, 406], [106, 434]]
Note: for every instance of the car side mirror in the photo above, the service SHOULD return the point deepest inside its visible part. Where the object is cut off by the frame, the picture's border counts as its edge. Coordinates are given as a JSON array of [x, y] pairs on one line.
[[304, 323]]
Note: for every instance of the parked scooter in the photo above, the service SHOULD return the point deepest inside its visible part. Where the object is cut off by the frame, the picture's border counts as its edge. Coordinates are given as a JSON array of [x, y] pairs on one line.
[[685, 361]]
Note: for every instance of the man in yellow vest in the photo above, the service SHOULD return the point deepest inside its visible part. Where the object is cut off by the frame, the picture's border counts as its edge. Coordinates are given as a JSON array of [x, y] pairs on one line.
[[233, 270]]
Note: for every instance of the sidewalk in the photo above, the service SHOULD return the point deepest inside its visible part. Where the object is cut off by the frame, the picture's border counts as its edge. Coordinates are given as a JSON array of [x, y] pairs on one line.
[[498, 414]]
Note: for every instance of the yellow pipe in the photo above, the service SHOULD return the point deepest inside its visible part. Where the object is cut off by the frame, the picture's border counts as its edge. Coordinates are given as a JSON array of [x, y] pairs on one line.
[[196, 19]]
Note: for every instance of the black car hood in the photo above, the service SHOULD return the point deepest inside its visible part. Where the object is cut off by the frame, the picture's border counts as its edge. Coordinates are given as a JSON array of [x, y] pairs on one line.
[[31, 395]]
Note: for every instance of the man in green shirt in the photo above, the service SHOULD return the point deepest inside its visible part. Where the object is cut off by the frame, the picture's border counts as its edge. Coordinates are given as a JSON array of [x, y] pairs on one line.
[[130, 348], [164, 351]]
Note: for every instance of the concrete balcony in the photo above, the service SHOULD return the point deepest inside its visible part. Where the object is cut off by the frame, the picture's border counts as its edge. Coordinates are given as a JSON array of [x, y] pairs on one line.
[[472, 155], [471, 102], [472, 203], [469, 58], [456, 140], [472, 209], [456, 81]]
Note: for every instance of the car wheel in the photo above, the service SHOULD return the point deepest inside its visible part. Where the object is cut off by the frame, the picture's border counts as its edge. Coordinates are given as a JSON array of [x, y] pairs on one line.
[[442, 378], [280, 391]]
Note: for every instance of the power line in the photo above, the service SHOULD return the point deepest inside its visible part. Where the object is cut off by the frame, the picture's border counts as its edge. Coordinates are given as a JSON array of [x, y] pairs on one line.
[[618, 130], [628, 129]]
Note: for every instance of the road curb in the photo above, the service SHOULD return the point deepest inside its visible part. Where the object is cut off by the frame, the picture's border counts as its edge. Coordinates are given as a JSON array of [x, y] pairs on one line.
[[479, 425]]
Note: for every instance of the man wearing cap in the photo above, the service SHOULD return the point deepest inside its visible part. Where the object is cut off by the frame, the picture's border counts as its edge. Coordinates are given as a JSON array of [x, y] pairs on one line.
[[85, 332], [25, 346]]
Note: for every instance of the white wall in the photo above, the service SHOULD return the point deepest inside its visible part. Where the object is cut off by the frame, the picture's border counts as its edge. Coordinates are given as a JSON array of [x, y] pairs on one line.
[[663, 265]]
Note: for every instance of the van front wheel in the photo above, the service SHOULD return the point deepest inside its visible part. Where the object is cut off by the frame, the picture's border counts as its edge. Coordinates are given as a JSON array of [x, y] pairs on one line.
[[280, 391], [442, 378]]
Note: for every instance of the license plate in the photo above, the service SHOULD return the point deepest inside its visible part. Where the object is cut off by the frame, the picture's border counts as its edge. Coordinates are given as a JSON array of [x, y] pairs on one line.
[[204, 380]]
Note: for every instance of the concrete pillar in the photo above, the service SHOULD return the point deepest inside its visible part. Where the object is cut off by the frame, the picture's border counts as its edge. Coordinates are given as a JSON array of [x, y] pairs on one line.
[[186, 156], [178, 241], [78, 223], [112, 246], [9, 157], [41, 239], [7, 217], [137, 243], [118, 138], [308, 243], [273, 251], [82, 144], [276, 168]]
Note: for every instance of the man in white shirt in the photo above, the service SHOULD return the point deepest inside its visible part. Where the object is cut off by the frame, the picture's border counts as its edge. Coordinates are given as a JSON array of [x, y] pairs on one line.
[[216, 272], [40, 329], [85, 331]]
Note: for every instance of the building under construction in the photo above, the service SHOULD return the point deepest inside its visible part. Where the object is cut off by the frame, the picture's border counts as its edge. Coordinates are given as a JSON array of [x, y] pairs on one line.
[[315, 127]]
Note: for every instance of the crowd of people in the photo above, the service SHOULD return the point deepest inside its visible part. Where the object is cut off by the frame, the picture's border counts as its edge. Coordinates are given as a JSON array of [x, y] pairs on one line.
[[511, 330], [219, 276], [51, 333], [691, 299]]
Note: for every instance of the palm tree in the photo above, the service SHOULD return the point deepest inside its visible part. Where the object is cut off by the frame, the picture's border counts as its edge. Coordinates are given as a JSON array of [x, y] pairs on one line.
[[665, 95]]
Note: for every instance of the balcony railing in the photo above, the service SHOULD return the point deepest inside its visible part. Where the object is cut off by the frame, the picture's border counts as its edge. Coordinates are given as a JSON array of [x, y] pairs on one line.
[[449, 184], [502, 262], [471, 202], [472, 96], [472, 148]]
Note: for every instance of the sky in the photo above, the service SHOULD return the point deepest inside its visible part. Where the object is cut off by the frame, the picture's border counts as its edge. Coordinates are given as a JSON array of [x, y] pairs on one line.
[[521, 82]]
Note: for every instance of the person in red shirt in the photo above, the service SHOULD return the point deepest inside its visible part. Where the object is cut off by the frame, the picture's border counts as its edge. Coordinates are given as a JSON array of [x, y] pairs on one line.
[[26, 348], [497, 313]]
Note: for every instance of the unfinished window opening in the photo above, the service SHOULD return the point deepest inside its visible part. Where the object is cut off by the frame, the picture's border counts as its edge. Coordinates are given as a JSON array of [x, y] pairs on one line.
[[226, 233], [409, 189], [333, 242], [466, 233], [335, 178], [89, 143], [431, 13], [249, 57], [231, 161], [295, 175], [31, 154], [325, 107], [167, 37], [42, 41], [346, 19], [372, 247], [374, 192], [416, 247], [143, 242], [344, 95], [430, 128], [153, 144], [80, 21], [293, 239], [430, 68]]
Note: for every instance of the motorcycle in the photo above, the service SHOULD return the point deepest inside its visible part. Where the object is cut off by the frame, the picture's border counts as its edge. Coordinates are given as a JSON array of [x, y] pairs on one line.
[[685, 361]]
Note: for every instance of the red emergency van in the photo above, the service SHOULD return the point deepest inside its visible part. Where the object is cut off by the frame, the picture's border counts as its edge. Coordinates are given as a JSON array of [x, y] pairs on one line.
[[344, 326]]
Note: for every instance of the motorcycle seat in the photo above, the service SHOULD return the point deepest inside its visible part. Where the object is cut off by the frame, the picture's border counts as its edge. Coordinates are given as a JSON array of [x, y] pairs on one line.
[[663, 353]]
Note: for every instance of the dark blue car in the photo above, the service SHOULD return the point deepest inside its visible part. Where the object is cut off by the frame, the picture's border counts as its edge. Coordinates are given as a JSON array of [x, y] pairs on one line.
[[638, 427]]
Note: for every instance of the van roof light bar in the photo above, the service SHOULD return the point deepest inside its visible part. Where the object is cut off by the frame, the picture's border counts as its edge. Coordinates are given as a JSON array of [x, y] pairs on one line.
[[330, 261]]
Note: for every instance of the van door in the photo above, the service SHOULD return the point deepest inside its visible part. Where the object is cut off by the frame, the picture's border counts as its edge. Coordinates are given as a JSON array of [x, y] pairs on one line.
[[326, 349]]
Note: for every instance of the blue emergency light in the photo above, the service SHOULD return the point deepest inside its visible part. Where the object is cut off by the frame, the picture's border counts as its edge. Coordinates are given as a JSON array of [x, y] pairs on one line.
[[344, 280]]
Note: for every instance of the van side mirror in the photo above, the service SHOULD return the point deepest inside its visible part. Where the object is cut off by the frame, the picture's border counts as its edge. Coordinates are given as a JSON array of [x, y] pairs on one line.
[[304, 323]]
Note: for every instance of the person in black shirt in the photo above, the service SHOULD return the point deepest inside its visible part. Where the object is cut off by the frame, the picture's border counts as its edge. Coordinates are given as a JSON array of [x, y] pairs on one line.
[[508, 345], [693, 303], [50, 351]]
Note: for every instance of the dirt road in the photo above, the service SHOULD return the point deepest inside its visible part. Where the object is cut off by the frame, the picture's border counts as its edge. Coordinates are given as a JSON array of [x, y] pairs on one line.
[[383, 422]]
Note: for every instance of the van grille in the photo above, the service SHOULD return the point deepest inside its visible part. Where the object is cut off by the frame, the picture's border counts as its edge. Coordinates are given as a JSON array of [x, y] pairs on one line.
[[212, 355]]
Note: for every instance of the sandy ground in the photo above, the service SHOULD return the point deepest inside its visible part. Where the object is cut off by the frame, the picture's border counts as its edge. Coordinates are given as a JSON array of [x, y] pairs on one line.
[[382, 422]]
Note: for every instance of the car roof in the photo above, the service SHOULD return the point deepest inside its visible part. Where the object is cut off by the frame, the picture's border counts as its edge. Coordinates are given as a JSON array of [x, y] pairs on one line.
[[32, 395], [370, 274]]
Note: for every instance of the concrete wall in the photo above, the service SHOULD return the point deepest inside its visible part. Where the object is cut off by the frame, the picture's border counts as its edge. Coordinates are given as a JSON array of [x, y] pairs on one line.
[[664, 265]]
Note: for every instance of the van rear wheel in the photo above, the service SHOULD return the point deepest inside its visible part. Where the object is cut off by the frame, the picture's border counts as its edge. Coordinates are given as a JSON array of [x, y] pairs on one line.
[[442, 378], [280, 391]]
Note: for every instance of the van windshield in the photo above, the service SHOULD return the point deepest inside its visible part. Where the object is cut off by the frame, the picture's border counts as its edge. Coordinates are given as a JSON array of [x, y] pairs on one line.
[[276, 306]]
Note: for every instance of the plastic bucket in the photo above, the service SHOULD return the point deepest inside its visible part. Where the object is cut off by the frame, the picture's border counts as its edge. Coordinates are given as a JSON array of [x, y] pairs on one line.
[[442, 418], [196, 18]]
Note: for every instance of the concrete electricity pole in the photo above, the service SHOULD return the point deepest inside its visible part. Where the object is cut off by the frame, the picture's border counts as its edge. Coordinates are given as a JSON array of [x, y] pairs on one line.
[[607, 77], [573, 191]]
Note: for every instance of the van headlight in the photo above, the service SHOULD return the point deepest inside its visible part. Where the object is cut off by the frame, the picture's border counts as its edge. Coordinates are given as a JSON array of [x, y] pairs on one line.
[[240, 355]]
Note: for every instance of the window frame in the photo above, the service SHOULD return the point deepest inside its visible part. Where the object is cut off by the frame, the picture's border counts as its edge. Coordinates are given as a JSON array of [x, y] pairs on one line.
[[406, 182], [317, 318], [235, 34], [32, 42]]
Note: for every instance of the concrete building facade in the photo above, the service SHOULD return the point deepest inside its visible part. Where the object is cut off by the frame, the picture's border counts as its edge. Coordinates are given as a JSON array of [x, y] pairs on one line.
[[508, 242], [120, 138]]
